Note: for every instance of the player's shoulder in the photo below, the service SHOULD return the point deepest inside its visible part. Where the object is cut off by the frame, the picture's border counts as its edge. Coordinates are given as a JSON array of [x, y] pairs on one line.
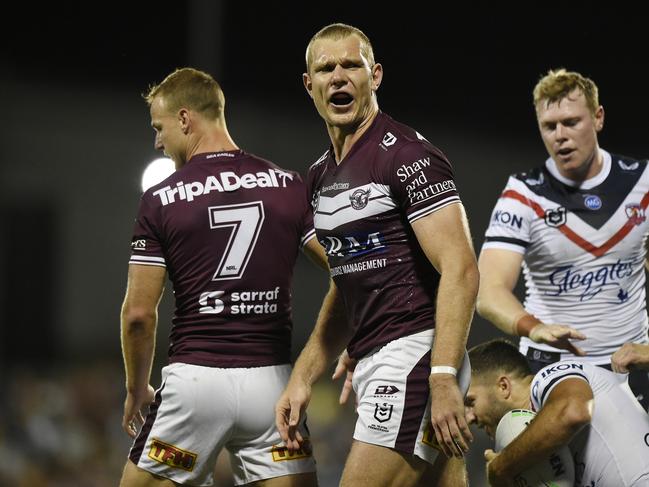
[[624, 165], [285, 177], [549, 376], [319, 164], [535, 178], [564, 367], [400, 141]]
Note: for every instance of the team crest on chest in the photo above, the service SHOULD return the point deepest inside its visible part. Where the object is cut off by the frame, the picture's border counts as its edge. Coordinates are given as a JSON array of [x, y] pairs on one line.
[[360, 198], [635, 213], [555, 217]]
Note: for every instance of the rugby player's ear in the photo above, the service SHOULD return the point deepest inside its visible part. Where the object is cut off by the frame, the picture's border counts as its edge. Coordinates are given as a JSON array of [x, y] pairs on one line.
[[599, 118], [377, 76], [306, 79], [504, 387], [184, 119]]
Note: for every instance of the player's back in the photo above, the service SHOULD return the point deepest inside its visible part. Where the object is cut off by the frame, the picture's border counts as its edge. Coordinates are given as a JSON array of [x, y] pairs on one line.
[[228, 227], [614, 449]]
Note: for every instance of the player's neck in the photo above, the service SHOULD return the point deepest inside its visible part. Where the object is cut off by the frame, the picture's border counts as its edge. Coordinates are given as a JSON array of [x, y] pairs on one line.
[[344, 138], [522, 398], [217, 140]]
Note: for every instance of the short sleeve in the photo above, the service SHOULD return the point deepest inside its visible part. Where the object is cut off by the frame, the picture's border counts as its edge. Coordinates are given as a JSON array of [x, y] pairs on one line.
[[509, 226], [548, 377], [421, 180], [146, 247]]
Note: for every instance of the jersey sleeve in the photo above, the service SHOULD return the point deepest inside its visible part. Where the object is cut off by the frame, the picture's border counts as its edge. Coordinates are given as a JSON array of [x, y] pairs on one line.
[[421, 180], [146, 246], [509, 226], [308, 229], [549, 376]]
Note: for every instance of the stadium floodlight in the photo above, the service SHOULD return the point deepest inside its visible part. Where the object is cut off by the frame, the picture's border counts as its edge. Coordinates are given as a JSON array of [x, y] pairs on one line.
[[156, 171]]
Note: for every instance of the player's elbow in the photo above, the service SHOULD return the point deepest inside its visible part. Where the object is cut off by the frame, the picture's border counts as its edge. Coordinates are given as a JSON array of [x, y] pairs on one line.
[[138, 319]]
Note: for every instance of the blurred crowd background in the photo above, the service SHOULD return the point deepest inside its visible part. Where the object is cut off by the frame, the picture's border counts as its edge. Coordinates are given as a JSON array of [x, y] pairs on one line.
[[76, 139]]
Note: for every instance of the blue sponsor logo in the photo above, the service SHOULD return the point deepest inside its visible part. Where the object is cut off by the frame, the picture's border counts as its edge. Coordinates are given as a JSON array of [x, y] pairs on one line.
[[507, 218], [551, 369], [592, 202], [588, 284]]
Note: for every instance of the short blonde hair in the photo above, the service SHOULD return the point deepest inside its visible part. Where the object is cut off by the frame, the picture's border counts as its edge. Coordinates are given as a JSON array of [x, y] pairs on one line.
[[559, 83], [336, 32], [190, 88]]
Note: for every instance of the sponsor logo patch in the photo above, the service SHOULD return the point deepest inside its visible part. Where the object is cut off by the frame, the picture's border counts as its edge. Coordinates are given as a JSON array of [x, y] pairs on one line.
[[385, 390], [592, 202], [138, 244], [429, 438], [628, 167], [281, 453], [172, 455], [388, 139]]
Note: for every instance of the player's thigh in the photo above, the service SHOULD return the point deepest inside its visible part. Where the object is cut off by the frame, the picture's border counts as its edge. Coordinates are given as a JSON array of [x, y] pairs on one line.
[[445, 472], [132, 476], [187, 425], [257, 452], [297, 480], [377, 466]]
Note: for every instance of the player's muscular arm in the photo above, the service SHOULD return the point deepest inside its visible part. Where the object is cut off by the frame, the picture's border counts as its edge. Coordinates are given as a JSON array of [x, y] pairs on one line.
[[499, 272], [329, 337], [569, 408], [444, 237], [138, 328]]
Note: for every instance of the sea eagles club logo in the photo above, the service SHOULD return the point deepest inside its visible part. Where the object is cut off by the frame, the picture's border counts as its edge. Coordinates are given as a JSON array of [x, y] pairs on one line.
[[555, 217], [359, 198]]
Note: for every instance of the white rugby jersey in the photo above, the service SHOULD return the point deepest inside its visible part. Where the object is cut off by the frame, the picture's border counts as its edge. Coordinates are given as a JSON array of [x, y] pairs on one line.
[[584, 250], [613, 450]]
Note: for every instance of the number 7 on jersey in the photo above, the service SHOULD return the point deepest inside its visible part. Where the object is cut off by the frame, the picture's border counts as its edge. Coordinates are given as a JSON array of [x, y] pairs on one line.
[[245, 220]]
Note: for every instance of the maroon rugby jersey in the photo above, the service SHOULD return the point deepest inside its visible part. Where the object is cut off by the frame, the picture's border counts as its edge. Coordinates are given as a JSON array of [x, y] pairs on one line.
[[227, 226], [363, 209]]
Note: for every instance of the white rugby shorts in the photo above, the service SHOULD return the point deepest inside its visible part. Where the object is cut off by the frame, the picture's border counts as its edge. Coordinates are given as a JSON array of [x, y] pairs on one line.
[[200, 410], [393, 394]]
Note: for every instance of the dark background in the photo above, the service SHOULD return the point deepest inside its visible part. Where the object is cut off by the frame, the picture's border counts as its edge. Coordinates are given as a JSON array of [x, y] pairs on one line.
[[76, 139]]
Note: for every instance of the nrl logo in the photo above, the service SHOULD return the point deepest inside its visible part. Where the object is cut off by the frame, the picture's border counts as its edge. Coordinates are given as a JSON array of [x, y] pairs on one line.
[[383, 412], [360, 198], [555, 217]]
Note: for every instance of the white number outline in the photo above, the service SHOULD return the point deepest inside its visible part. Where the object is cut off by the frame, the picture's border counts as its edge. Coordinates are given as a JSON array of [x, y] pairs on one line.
[[245, 220]]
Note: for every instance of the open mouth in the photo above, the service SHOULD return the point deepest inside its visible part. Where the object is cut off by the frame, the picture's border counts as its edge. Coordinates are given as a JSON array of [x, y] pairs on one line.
[[565, 152], [341, 99]]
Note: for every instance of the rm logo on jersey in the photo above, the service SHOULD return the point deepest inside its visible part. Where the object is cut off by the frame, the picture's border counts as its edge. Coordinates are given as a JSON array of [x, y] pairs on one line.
[[172, 455], [360, 198], [383, 412], [555, 217], [635, 213]]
